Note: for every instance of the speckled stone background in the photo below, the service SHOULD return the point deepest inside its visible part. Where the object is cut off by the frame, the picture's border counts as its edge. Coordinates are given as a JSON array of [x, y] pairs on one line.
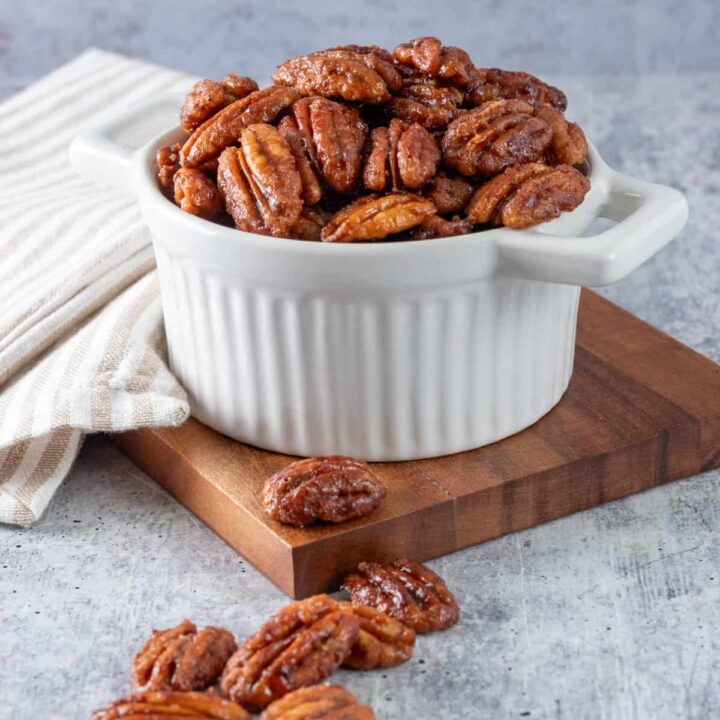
[[612, 613]]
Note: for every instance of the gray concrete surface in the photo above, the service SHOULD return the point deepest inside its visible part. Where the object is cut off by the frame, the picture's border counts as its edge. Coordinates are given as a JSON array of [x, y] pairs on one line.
[[612, 613]]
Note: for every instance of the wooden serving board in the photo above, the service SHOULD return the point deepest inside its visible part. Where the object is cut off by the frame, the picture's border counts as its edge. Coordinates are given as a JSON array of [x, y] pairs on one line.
[[642, 409]]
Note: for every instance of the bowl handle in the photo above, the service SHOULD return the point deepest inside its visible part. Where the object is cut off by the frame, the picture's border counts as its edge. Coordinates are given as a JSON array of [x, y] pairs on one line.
[[648, 216], [103, 148]]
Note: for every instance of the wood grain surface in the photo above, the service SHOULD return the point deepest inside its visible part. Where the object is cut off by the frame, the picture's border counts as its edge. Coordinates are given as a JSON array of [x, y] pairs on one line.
[[641, 410]]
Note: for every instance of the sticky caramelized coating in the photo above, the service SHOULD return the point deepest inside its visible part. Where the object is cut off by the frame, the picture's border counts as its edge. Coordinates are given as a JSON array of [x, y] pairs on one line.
[[319, 702], [568, 145], [375, 217], [450, 195], [260, 182], [382, 641], [168, 163], [400, 157], [329, 489], [527, 195], [501, 133], [197, 194], [182, 658], [300, 645], [154, 705], [310, 224], [208, 97], [406, 590], [438, 227], [494, 84], [431, 58]]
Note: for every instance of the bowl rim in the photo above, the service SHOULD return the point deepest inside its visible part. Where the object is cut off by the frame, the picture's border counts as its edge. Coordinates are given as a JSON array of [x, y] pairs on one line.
[[149, 191]]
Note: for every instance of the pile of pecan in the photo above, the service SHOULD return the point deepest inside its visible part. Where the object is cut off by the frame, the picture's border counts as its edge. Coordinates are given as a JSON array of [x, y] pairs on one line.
[[356, 143], [279, 670]]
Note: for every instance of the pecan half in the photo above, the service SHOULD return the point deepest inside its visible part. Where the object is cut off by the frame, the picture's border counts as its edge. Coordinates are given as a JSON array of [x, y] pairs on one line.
[[332, 136], [319, 702], [182, 658], [168, 163], [438, 227], [449, 194], [382, 66], [208, 97], [310, 224], [528, 195], [400, 157], [260, 182], [406, 590], [300, 645], [425, 101], [382, 53], [373, 218], [430, 57], [493, 83], [348, 78], [497, 135], [224, 128], [382, 640], [568, 145], [331, 489], [197, 194], [311, 188], [173, 705]]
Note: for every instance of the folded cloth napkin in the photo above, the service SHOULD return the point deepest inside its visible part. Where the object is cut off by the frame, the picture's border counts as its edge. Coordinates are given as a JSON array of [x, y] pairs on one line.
[[82, 347]]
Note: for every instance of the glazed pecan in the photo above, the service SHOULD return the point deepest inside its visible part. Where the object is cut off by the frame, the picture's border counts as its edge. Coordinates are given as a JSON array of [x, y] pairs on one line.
[[331, 489], [310, 224], [300, 645], [382, 53], [400, 157], [568, 145], [423, 100], [173, 705], [224, 128], [312, 190], [430, 57], [348, 78], [319, 702], [407, 591], [438, 227], [197, 194], [374, 218], [497, 135], [182, 658], [168, 162], [382, 66], [449, 194], [260, 182], [332, 136], [208, 97], [382, 640], [528, 194], [493, 84]]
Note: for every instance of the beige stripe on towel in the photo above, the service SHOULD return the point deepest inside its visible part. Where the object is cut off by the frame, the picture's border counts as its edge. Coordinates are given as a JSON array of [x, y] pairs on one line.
[[81, 343]]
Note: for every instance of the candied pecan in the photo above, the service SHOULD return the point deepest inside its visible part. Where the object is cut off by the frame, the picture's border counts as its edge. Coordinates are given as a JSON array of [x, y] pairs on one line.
[[568, 145], [449, 194], [168, 162], [382, 641], [332, 136], [224, 128], [310, 224], [182, 658], [331, 489], [374, 218], [171, 704], [382, 53], [430, 57], [208, 97], [319, 702], [407, 591], [497, 135], [260, 182], [400, 157], [438, 227], [493, 83], [343, 77], [383, 67], [300, 645], [424, 101], [197, 194], [527, 195]]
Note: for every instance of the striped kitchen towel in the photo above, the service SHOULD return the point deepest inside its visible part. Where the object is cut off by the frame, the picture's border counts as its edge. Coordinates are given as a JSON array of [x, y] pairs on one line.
[[81, 337]]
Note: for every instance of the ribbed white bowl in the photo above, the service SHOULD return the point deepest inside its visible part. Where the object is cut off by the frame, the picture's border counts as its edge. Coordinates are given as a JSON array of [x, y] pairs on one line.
[[384, 351]]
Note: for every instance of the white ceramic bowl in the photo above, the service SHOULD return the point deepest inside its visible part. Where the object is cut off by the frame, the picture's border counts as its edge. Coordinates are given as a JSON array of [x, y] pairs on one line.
[[383, 351]]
